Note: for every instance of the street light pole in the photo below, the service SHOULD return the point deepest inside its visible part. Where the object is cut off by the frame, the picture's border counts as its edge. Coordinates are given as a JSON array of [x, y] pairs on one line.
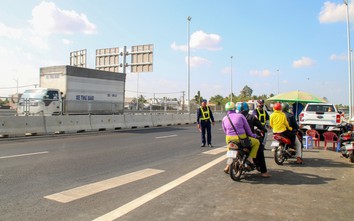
[[349, 62], [189, 63], [231, 80]]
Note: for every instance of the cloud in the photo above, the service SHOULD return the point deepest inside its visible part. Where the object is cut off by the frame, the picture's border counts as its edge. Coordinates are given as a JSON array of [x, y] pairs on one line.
[[202, 41], [335, 57], [48, 19], [303, 62], [66, 41], [332, 12], [198, 61], [9, 32], [263, 73], [176, 47]]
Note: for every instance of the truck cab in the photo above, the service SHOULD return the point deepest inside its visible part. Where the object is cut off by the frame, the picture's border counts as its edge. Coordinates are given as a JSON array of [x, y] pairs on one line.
[[40, 101]]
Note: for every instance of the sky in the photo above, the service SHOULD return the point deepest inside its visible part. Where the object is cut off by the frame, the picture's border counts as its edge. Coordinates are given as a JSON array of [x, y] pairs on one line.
[[271, 46]]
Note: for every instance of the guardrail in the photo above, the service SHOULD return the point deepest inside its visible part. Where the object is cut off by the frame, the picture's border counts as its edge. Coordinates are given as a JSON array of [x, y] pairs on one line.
[[17, 126]]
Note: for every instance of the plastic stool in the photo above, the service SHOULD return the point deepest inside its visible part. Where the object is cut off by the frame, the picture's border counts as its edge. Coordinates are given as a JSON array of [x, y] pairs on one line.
[[307, 142]]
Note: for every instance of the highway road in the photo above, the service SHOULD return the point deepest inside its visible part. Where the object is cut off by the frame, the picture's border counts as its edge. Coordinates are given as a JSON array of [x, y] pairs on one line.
[[162, 174]]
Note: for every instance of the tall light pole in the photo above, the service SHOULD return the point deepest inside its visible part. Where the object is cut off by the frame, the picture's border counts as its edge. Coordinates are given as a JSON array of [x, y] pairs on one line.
[[189, 63], [231, 80], [349, 62]]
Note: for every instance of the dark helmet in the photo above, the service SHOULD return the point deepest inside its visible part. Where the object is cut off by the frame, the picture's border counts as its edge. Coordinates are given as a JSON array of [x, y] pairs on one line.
[[285, 107], [277, 106], [260, 102], [242, 107]]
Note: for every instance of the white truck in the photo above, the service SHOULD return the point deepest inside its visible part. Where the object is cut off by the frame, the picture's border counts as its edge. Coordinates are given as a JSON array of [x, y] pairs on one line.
[[321, 117], [74, 90]]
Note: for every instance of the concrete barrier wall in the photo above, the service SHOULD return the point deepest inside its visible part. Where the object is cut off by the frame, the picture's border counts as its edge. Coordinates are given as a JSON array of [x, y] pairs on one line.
[[39, 125]]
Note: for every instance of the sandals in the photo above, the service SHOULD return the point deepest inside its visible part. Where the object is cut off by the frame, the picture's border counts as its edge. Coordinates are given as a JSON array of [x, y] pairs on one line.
[[226, 170], [265, 175]]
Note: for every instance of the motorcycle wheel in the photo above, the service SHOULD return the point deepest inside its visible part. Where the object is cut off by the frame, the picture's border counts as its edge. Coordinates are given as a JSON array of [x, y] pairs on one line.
[[236, 170], [351, 158], [279, 156]]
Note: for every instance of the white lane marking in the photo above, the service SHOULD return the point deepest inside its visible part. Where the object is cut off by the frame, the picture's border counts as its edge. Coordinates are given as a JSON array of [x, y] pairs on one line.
[[174, 135], [215, 151], [89, 189], [23, 155], [114, 214]]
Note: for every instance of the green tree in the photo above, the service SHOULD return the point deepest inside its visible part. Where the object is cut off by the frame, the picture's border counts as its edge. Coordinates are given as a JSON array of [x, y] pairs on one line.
[[246, 92], [198, 99]]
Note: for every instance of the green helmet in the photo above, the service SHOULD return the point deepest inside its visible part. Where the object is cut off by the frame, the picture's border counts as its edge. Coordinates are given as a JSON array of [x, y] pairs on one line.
[[230, 106]]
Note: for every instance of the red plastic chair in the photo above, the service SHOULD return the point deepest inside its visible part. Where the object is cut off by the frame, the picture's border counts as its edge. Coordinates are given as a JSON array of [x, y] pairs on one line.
[[330, 137], [315, 136]]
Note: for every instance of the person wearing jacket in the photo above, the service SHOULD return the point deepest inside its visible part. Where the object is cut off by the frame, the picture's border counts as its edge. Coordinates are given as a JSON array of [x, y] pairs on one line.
[[254, 122], [280, 124], [292, 123], [243, 130]]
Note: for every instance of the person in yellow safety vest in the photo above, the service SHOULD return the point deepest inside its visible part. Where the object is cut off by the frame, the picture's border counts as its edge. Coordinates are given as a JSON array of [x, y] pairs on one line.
[[204, 120], [261, 113]]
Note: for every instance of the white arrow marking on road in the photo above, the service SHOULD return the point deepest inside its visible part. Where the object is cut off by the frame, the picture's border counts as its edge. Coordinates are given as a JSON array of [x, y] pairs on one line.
[[157, 192], [174, 135], [89, 189], [23, 155]]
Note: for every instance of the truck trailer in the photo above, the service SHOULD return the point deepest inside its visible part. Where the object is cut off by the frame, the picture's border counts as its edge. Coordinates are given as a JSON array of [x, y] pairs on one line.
[[74, 90]]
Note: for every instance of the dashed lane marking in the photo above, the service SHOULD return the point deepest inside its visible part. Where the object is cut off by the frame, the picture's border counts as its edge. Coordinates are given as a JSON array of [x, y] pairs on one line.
[[89, 189], [119, 212], [215, 151], [23, 155], [174, 135]]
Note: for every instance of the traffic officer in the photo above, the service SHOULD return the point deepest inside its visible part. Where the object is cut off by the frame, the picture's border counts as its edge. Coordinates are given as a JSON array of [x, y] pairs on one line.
[[260, 113], [204, 120], [262, 116]]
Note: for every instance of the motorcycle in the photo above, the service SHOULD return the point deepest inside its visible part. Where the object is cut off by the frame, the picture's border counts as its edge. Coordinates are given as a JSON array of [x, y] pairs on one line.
[[346, 143], [282, 147], [237, 158]]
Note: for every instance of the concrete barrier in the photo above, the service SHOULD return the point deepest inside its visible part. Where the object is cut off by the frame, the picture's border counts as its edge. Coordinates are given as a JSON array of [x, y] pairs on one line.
[[162, 120], [74, 123], [138, 121], [22, 126], [107, 122], [180, 119], [32, 125]]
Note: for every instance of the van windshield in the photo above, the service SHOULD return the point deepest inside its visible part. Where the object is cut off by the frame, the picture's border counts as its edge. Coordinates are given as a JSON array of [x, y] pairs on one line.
[[33, 93]]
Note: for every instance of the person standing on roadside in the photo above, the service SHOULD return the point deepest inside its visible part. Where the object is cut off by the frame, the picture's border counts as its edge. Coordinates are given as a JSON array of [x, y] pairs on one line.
[[261, 113], [205, 119]]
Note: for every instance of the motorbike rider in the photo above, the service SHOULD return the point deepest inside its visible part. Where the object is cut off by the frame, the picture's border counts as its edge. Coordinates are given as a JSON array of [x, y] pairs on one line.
[[254, 122], [243, 130], [292, 123], [280, 124]]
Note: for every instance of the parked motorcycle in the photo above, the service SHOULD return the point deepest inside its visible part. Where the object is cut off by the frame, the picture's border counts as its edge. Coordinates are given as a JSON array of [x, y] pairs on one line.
[[346, 141], [282, 147], [238, 156]]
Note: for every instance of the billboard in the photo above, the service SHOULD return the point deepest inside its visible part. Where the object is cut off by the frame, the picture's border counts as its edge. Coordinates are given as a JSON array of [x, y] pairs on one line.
[[78, 58], [107, 59], [141, 58]]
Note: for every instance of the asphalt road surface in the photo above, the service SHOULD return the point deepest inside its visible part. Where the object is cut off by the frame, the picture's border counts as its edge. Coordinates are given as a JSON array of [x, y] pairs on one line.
[[163, 174]]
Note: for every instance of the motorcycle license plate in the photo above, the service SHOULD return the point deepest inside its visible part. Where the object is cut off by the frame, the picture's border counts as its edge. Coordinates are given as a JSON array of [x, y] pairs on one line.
[[231, 154], [275, 143]]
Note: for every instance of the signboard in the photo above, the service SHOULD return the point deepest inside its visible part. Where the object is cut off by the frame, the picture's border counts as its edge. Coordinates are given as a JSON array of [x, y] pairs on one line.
[[141, 58], [78, 58], [107, 59]]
